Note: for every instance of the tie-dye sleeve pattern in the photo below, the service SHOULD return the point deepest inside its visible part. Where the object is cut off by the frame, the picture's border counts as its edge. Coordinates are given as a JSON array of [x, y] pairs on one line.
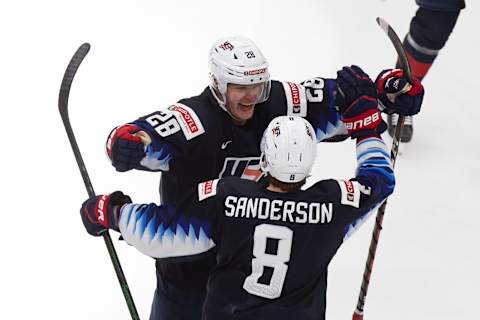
[[374, 181], [374, 167]]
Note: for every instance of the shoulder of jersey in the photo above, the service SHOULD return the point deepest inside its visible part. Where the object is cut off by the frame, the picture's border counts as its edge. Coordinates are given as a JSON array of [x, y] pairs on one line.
[[197, 114], [346, 192], [277, 92], [288, 97], [225, 186]]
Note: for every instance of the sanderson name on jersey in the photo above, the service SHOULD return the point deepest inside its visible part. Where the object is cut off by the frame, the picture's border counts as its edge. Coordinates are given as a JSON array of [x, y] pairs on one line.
[[278, 210]]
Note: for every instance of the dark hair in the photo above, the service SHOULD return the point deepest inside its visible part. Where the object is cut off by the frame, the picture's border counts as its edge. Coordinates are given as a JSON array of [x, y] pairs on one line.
[[285, 186]]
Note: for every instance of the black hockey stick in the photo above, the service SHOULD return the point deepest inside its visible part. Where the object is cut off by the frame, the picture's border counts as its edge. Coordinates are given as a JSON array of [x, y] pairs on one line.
[[358, 313], [72, 68]]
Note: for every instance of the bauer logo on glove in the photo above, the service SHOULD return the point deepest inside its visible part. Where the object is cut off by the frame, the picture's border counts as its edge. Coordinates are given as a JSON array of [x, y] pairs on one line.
[[100, 213], [358, 105], [367, 120]]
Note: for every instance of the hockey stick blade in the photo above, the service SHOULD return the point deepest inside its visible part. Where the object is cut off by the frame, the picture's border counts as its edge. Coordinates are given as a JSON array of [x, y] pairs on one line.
[[67, 80], [402, 56], [392, 35], [64, 94]]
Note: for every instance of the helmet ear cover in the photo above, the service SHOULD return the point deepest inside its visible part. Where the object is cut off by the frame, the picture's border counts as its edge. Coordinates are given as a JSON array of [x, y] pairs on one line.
[[288, 149], [264, 166], [215, 89]]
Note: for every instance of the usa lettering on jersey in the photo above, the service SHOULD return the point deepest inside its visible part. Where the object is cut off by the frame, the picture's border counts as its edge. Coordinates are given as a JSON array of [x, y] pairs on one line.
[[207, 189], [245, 168], [296, 99]]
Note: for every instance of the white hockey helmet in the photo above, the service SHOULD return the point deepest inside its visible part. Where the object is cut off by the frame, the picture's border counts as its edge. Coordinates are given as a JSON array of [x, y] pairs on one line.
[[289, 148], [237, 60]]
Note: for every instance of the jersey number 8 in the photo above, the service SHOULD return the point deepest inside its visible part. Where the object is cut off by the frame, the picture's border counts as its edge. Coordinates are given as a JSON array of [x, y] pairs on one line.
[[263, 259]]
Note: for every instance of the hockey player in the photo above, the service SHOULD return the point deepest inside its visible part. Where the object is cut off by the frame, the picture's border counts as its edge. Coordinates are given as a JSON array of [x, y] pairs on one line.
[[429, 31], [217, 134], [274, 241]]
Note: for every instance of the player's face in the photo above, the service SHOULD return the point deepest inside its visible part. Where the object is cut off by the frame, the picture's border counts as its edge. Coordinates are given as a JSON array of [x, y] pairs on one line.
[[241, 100]]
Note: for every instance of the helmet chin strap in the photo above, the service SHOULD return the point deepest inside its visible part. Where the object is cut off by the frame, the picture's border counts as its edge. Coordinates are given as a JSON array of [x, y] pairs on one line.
[[221, 103]]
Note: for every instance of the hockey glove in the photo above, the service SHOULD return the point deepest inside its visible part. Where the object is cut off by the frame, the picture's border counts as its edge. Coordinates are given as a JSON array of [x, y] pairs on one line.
[[353, 83], [100, 213], [124, 148], [358, 103], [397, 95]]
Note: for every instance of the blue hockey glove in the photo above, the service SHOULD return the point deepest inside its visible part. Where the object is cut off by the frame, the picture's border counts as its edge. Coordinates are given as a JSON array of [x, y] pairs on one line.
[[124, 148], [397, 95], [353, 83], [358, 103], [100, 213]]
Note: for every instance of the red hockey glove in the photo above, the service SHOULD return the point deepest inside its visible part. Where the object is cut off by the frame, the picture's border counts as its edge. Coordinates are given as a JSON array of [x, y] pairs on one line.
[[100, 213], [124, 148], [397, 95]]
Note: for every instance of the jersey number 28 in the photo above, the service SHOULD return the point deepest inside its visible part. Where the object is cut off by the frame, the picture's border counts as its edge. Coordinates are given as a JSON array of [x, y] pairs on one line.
[[262, 259], [164, 123]]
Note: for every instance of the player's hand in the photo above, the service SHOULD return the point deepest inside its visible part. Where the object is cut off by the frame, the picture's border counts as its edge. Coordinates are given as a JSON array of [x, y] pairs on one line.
[[100, 213], [358, 103], [126, 147], [353, 83], [397, 95]]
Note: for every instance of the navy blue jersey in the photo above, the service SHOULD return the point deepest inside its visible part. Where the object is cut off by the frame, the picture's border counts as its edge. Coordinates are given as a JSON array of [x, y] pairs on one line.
[[272, 249], [195, 140]]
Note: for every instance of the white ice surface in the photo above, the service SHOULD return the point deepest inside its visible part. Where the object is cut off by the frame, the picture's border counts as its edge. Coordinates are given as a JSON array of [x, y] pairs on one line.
[[146, 55]]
